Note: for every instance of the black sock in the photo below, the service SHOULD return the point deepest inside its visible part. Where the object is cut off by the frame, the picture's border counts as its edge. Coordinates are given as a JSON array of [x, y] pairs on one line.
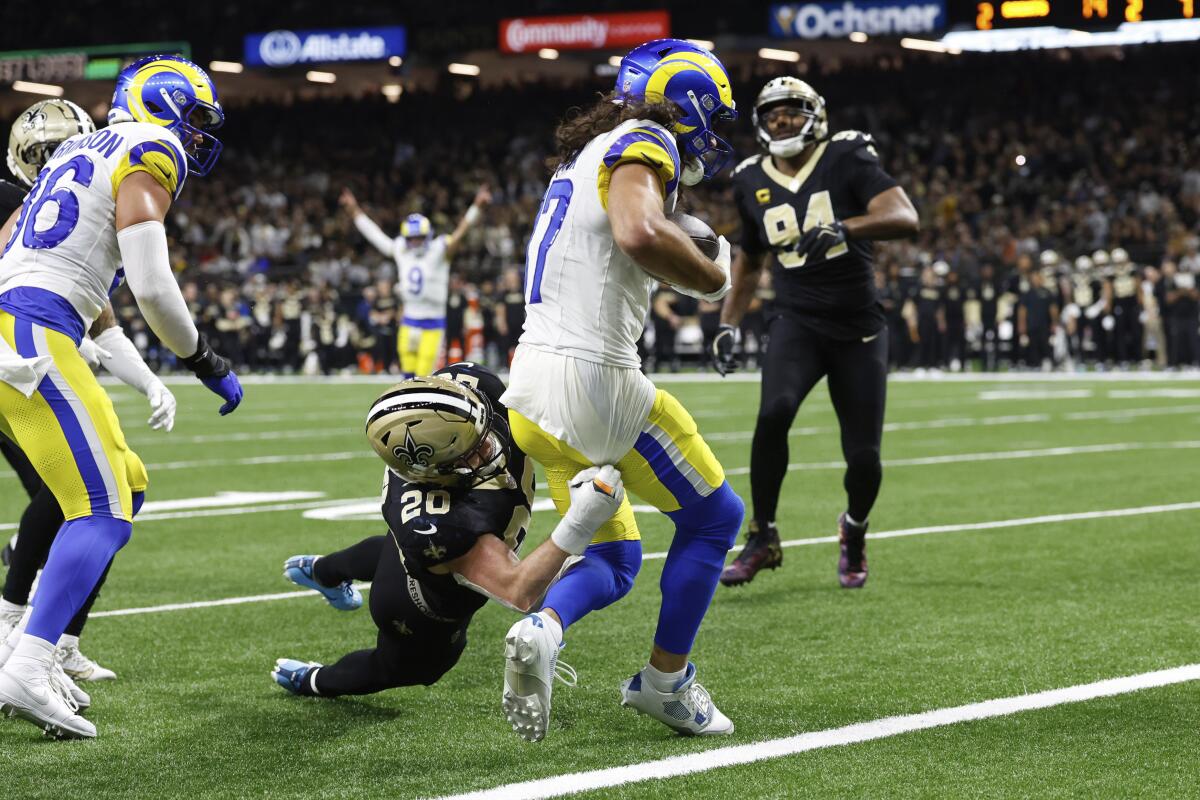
[[39, 525], [355, 563], [768, 466], [864, 474]]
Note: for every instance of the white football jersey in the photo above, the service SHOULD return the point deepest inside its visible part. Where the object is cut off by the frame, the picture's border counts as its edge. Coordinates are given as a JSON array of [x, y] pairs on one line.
[[65, 238], [583, 296], [424, 275]]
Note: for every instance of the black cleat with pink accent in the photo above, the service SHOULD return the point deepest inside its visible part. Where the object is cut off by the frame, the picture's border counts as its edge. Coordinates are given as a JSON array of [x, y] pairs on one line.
[[762, 551], [852, 565]]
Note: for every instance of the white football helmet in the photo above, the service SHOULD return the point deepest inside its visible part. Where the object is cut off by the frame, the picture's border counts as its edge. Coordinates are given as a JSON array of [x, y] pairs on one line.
[[38, 131]]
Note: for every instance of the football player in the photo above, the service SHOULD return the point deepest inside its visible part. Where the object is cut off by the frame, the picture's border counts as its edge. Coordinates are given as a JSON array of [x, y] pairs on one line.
[[95, 217], [577, 396], [423, 267], [810, 205], [456, 499], [34, 136]]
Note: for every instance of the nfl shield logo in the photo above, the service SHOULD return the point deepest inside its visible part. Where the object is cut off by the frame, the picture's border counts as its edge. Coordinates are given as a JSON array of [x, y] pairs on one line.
[[708, 102]]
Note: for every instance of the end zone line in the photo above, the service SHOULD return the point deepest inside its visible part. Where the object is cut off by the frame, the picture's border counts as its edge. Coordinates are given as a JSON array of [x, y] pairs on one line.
[[714, 758], [658, 556]]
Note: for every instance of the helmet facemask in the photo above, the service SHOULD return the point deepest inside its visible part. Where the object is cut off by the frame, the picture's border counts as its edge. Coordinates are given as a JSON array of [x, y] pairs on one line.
[[811, 115], [196, 118]]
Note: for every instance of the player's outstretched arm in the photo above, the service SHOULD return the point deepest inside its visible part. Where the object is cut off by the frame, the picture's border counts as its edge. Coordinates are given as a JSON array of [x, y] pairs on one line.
[[890, 215], [142, 204], [366, 226], [747, 271], [492, 569], [120, 357], [660, 247], [482, 198]]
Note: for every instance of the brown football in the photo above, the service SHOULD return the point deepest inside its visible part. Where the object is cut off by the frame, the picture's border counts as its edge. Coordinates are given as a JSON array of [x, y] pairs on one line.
[[698, 229]]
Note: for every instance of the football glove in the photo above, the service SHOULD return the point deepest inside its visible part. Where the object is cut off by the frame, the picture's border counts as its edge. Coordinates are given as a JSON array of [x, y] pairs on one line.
[[92, 352], [724, 349], [816, 243], [596, 494], [162, 407], [723, 260], [215, 373]]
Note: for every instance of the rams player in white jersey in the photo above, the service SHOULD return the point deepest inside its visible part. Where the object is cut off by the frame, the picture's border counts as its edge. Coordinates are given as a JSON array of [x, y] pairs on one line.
[[35, 134], [423, 266], [577, 396], [95, 217]]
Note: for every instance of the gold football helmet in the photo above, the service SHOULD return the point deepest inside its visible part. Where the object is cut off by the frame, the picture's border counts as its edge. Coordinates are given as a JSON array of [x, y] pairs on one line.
[[434, 430], [39, 130], [789, 91]]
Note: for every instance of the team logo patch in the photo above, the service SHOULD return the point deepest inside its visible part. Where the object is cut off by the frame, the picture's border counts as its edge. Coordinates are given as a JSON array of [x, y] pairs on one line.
[[627, 85], [763, 196], [413, 454], [708, 102]]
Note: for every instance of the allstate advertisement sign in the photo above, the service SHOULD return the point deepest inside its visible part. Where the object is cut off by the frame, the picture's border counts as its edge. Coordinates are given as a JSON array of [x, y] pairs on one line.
[[872, 17], [284, 48]]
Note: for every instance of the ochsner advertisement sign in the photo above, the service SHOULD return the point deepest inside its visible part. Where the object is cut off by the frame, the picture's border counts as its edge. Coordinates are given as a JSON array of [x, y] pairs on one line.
[[284, 48], [872, 17], [582, 31]]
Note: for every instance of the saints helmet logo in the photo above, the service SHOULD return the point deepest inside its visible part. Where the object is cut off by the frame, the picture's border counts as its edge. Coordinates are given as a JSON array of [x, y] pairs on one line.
[[411, 453]]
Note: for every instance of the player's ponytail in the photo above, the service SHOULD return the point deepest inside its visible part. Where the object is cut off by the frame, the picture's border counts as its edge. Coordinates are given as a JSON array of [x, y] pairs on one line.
[[580, 126]]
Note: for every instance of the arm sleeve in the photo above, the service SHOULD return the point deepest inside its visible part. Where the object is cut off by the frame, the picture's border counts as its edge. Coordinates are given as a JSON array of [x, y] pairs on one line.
[[371, 232], [867, 176], [751, 239], [124, 360], [148, 273], [161, 159], [648, 146]]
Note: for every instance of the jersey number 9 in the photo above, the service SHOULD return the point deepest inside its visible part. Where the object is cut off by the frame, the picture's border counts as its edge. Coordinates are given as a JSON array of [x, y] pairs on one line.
[[783, 228]]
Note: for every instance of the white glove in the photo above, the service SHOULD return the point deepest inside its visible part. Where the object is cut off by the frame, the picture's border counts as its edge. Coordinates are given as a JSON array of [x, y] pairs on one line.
[[162, 407], [596, 494], [92, 352], [723, 260]]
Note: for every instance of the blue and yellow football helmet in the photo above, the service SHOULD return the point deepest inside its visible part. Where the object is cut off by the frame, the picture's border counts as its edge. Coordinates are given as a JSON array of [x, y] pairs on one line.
[[175, 94], [677, 71], [416, 226]]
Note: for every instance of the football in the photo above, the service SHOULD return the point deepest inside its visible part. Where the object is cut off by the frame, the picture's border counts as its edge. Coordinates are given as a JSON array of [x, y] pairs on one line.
[[704, 236]]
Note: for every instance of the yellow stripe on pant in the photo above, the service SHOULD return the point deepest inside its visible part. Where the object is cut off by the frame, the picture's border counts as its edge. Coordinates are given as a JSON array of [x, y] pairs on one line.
[[419, 349], [670, 465], [68, 428]]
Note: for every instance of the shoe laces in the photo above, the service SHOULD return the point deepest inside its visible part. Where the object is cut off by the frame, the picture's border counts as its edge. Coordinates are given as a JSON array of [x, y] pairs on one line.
[[60, 683], [565, 673]]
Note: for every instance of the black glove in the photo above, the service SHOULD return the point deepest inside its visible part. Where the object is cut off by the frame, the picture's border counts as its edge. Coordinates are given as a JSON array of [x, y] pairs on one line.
[[816, 242], [723, 346]]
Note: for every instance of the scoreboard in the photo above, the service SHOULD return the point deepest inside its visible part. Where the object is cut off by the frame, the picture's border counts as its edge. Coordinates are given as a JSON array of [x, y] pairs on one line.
[[1078, 14]]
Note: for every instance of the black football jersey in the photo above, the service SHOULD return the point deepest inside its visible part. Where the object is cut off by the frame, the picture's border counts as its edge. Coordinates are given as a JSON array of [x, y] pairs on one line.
[[433, 525], [836, 296], [11, 197]]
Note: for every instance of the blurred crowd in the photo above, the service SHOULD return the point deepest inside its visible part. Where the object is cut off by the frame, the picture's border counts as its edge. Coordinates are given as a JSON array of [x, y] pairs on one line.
[[1059, 195]]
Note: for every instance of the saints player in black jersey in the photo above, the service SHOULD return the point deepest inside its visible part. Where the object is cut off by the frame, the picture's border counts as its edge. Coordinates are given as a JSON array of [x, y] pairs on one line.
[[810, 205], [457, 499]]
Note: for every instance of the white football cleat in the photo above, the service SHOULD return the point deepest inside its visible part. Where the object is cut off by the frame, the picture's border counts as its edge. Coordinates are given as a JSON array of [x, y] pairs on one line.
[[530, 667], [38, 695], [688, 709], [9, 619], [78, 666]]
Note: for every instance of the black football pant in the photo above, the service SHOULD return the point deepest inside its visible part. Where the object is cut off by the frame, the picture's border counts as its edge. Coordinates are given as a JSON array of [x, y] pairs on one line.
[[411, 648], [796, 359], [30, 480], [35, 534]]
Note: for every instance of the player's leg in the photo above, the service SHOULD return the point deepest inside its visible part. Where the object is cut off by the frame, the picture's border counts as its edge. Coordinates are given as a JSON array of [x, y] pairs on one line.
[[408, 345], [791, 368], [858, 389], [411, 648], [28, 476], [672, 468], [429, 350], [71, 435], [333, 575]]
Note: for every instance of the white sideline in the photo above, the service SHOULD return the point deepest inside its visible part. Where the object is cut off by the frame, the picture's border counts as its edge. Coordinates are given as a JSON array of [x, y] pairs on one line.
[[970, 526], [732, 755]]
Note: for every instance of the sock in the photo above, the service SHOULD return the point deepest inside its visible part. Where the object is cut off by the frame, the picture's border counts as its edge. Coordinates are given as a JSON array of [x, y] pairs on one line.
[[8, 609], [551, 625], [852, 521], [32, 652], [356, 562], [604, 576], [67, 641], [662, 681]]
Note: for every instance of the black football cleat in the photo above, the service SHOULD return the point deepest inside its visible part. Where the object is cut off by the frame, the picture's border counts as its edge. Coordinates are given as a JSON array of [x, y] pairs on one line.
[[852, 564], [762, 551]]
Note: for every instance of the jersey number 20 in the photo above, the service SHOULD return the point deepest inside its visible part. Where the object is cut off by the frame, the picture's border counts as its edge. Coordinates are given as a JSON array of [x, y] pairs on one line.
[[783, 228]]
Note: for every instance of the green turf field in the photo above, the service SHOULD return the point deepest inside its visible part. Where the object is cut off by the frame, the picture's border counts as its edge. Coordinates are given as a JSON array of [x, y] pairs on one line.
[[948, 617]]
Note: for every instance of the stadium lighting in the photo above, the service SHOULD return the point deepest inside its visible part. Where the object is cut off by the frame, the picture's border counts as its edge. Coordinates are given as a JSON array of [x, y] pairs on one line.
[[929, 47], [395, 61], [392, 92], [225, 66], [464, 69], [1020, 159], [614, 61], [321, 77], [779, 55], [858, 37], [705, 43], [38, 88], [548, 53]]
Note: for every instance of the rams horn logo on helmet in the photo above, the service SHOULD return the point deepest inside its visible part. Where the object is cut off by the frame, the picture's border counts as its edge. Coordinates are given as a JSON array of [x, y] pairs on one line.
[[416, 455]]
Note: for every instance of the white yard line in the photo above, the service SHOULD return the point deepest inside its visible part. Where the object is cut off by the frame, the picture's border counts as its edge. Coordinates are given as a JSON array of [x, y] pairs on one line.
[[658, 556], [732, 755]]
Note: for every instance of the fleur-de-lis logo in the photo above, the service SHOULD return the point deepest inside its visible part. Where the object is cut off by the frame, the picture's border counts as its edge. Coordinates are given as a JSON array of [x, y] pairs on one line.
[[413, 454]]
